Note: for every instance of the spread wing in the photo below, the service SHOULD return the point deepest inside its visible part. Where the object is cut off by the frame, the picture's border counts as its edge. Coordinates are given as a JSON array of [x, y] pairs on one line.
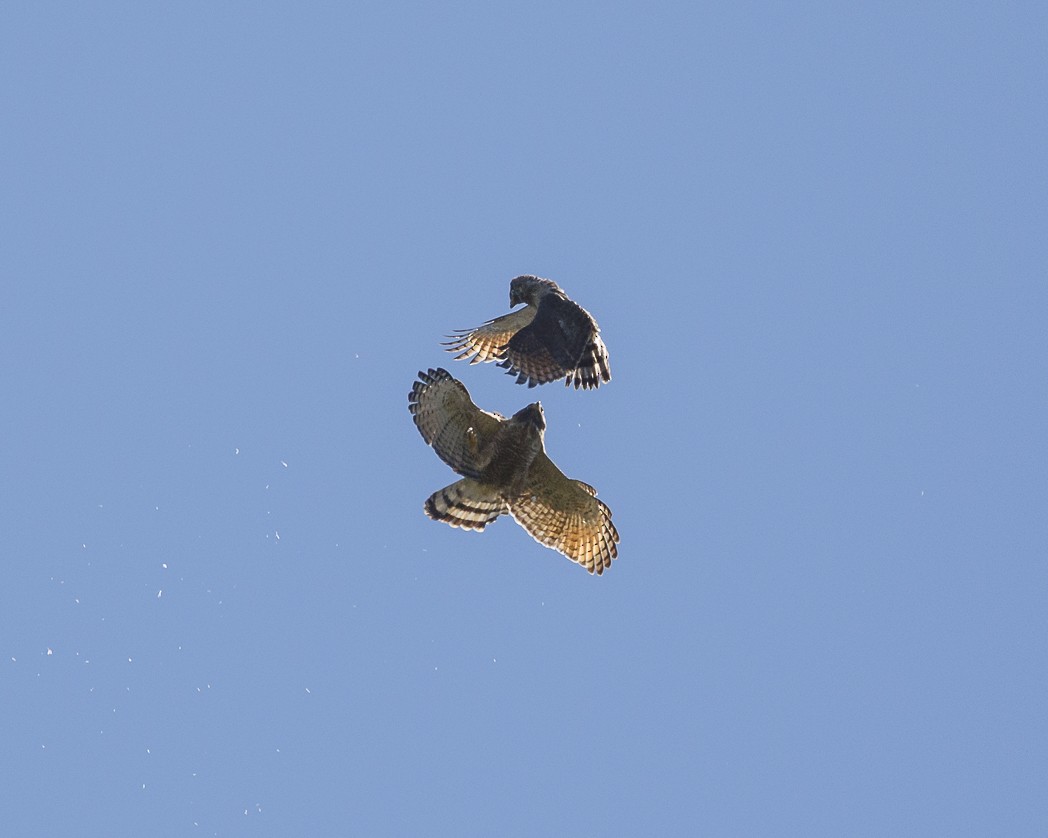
[[487, 342], [458, 430], [562, 341], [565, 515]]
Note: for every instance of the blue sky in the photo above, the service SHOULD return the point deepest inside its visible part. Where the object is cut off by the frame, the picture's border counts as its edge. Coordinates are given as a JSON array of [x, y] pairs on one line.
[[814, 238]]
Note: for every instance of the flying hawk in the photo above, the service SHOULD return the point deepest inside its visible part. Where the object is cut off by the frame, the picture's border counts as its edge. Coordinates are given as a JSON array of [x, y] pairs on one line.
[[550, 338], [506, 471]]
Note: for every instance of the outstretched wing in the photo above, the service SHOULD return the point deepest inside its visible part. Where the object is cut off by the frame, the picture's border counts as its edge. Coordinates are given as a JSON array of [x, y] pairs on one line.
[[565, 515], [561, 342], [458, 430], [488, 342]]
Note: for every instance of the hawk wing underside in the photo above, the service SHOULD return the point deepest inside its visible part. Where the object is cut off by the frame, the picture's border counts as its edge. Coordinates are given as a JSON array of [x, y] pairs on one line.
[[459, 431], [564, 514], [487, 342]]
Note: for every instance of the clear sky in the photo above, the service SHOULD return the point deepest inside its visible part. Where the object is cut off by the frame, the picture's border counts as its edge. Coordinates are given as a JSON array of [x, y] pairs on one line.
[[814, 236]]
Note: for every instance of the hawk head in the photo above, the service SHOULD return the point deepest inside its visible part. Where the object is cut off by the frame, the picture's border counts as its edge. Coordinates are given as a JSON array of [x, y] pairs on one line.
[[530, 289], [531, 415]]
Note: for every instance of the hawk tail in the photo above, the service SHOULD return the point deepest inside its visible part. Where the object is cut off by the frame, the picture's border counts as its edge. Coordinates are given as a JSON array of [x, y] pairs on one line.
[[466, 504]]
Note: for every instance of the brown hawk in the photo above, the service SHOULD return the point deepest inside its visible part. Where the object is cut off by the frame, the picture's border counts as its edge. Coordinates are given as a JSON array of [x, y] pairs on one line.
[[550, 338], [506, 471]]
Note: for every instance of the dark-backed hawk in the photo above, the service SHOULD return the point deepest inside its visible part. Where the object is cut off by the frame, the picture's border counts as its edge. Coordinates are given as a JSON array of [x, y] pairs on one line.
[[551, 338]]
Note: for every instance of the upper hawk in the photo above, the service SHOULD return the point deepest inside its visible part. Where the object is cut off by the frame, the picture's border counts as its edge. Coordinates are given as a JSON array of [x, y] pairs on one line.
[[552, 337], [505, 470]]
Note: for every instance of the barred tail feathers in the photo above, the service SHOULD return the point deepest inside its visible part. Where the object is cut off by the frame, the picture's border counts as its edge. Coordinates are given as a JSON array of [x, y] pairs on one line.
[[467, 504]]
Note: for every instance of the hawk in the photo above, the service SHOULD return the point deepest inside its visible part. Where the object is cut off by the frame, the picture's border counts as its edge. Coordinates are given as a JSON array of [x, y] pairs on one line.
[[550, 338], [505, 470]]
